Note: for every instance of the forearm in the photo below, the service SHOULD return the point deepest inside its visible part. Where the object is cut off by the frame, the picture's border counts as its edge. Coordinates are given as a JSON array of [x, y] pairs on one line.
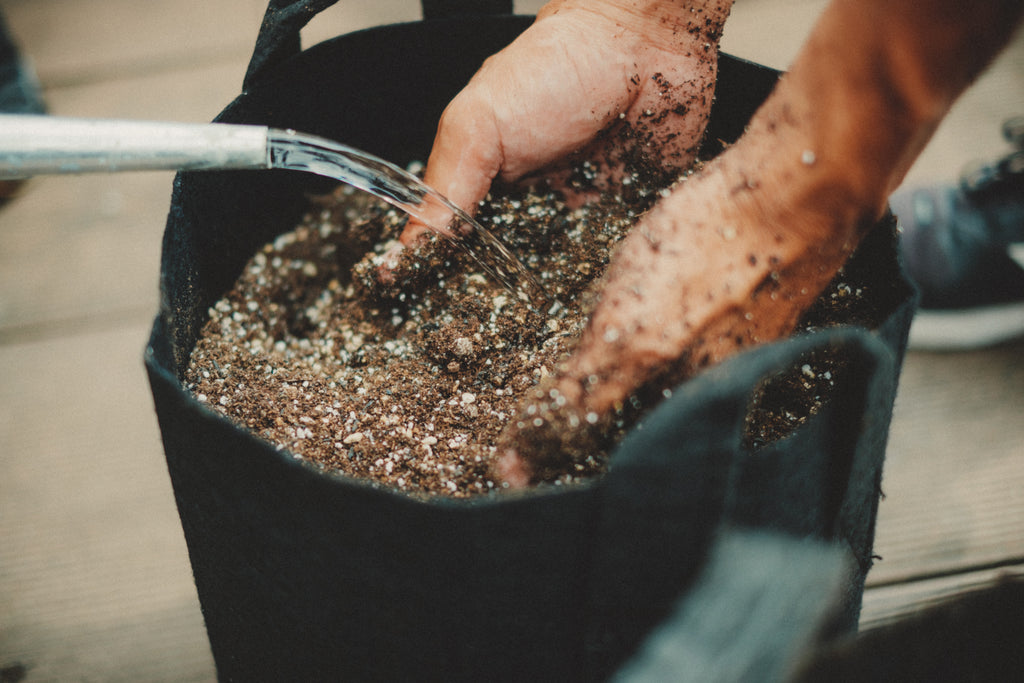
[[735, 254], [740, 251], [870, 86]]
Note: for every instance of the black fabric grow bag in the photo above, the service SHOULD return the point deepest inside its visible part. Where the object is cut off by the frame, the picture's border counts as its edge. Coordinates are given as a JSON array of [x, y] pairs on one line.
[[303, 576]]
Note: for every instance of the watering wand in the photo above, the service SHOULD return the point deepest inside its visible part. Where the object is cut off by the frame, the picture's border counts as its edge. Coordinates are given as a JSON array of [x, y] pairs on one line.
[[42, 145]]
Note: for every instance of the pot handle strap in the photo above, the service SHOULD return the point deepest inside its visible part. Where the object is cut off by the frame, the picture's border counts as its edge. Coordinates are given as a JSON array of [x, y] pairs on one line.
[[671, 480], [278, 38]]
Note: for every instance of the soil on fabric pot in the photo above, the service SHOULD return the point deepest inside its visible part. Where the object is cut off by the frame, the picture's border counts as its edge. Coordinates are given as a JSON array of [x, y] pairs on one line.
[[408, 384]]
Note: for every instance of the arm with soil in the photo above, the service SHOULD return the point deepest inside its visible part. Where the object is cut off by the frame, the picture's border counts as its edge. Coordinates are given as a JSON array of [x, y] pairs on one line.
[[733, 256]]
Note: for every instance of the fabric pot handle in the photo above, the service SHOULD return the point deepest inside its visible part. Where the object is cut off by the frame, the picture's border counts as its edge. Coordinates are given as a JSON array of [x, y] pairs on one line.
[[672, 480], [278, 38]]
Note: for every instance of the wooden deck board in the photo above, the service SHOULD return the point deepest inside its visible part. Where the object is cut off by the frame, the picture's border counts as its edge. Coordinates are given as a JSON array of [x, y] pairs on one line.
[[93, 567], [90, 41], [954, 474], [94, 575], [886, 604]]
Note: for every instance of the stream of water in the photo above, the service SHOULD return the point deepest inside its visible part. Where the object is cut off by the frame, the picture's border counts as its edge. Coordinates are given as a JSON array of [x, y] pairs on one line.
[[301, 152]]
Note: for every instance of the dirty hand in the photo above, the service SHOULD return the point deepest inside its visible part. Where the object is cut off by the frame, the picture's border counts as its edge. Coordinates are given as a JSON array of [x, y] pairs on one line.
[[640, 71], [734, 256], [730, 259]]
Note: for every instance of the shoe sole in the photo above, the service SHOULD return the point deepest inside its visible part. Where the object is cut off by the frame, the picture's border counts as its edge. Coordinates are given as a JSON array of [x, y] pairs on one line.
[[964, 330]]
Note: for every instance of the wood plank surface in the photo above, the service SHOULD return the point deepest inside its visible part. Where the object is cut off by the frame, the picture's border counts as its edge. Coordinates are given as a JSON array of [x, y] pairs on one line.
[[885, 604], [954, 473], [88, 41], [94, 571]]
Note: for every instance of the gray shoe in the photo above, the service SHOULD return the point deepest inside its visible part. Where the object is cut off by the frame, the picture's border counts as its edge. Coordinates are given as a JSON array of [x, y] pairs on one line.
[[964, 248]]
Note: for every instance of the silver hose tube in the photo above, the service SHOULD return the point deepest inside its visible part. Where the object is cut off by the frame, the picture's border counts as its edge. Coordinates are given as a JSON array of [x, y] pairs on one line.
[[39, 145]]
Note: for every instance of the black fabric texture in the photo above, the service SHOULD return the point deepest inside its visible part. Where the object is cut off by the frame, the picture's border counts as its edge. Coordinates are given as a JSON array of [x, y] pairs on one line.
[[278, 37], [307, 576], [440, 9], [759, 606]]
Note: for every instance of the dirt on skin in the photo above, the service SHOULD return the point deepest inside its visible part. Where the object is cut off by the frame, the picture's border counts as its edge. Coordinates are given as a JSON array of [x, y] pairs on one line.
[[408, 384], [408, 380]]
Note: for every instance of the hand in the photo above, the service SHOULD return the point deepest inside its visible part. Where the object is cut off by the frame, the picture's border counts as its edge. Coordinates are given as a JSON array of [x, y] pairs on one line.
[[731, 259], [593, 79], [734, 256]]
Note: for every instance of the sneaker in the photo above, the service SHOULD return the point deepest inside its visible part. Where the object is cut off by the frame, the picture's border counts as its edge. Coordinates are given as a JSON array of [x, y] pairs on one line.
[[963, 247]]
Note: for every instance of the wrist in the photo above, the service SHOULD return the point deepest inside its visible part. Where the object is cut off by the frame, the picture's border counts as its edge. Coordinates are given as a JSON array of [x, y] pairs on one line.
[[662, 23]]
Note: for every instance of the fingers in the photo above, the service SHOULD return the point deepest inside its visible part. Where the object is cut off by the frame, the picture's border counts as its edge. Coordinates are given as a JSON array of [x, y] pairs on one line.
[[709, 271], [552, 434], [465, 159]]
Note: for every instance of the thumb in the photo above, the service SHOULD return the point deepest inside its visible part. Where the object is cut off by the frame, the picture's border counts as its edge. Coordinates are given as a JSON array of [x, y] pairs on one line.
[[465, 159]]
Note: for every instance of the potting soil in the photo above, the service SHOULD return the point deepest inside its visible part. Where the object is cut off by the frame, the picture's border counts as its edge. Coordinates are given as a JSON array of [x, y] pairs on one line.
[[407, 380]]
